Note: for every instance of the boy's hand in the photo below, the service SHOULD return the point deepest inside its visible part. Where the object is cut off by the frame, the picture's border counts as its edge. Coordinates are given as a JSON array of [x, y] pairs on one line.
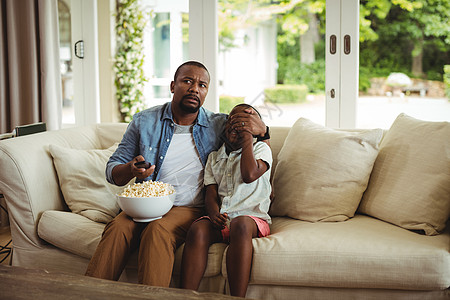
[[219, 220]]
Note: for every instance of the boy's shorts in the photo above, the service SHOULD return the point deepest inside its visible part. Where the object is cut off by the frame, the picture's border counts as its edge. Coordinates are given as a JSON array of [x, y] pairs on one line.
[[262, 225]]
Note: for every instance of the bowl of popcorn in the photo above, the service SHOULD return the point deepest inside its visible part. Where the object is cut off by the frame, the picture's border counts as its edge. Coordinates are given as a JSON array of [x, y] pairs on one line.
[[146, 201]]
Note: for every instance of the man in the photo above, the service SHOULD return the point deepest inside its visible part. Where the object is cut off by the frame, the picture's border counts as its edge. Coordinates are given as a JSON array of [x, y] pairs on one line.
[[176, 138]]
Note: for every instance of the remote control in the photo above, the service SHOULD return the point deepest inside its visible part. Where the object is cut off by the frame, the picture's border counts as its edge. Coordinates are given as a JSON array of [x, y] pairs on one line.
[[143, 164]]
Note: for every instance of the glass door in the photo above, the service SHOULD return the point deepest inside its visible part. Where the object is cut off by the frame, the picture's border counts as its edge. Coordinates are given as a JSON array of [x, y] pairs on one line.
[[272, 56]]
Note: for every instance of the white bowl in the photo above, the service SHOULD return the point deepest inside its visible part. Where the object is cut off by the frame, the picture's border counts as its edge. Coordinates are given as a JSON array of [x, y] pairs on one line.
[[146, 209]]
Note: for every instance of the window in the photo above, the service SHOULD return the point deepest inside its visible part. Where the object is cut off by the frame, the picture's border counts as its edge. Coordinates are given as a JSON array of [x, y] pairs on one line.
[[166, 46], [261, 61], [408, 41]]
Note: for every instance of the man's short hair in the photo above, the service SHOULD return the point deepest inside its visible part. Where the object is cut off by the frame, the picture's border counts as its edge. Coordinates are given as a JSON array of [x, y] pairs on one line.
[[190, 63]]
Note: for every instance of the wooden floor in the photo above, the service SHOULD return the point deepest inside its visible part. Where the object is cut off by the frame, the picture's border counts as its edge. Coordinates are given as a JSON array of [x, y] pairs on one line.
[[5, 237]]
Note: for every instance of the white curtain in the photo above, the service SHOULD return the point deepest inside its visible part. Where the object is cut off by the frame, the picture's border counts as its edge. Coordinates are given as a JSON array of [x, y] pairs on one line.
[[30, 80]]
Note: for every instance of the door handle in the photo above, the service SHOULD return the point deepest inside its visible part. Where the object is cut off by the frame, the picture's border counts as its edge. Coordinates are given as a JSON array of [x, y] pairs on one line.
[[347, 44], [79, 49], [333, 44]]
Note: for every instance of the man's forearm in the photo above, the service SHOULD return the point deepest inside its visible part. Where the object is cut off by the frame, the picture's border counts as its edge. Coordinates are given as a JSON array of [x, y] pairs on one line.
[[121, 174]]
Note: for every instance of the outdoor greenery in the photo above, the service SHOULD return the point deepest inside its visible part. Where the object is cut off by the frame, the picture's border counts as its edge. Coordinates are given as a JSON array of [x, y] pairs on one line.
[[412, 37], [129, 58], [285, 93], [447, 80], [226, 103]]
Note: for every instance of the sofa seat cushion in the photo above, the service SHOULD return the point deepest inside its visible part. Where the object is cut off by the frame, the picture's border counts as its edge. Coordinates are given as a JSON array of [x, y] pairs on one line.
[[69, 231], [362, 252], [214, 264], [80, 235]]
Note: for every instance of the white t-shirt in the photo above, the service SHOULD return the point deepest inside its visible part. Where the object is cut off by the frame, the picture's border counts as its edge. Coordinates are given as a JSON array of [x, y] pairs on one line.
[[183, 168]]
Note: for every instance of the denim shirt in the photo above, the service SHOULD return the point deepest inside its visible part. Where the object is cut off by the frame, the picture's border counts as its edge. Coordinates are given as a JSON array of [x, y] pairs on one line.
[[150, 132]]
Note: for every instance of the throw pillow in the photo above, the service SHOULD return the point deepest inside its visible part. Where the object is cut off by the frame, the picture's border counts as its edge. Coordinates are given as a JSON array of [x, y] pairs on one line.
[[410, 183], [322, 173], [81, 175]]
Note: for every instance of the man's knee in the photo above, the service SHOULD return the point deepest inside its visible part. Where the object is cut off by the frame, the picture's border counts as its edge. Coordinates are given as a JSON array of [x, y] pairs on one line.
[[156, 230], [121, 227]]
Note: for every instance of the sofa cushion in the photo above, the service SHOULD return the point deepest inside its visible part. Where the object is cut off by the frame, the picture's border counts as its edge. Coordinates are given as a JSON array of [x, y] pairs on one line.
[[80, 235], [410, 182], [110, 133], [81, 175], [322, 173], [214, 264], [71, 232], [362, 252]]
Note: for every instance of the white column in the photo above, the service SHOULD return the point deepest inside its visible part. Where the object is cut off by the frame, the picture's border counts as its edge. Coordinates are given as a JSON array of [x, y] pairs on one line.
[[349, 63], [203, 43], [342, 67], [176, 40], [332, 63]]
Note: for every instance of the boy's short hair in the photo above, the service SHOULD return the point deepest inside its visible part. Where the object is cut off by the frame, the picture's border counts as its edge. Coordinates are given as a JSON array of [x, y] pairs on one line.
[[248, 106]]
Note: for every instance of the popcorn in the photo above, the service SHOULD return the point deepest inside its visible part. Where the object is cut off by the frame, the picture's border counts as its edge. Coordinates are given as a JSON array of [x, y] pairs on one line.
[[148, 189]]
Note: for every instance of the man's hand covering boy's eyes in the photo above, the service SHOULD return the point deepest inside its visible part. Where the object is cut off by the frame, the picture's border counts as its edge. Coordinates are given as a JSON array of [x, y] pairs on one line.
[[248, 120]]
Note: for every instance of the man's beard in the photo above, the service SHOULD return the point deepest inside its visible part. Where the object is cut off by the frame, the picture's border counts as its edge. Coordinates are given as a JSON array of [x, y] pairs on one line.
[[189, 108]]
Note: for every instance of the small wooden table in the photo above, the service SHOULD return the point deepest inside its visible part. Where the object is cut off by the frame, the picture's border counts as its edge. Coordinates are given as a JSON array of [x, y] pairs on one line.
[[23, 283]]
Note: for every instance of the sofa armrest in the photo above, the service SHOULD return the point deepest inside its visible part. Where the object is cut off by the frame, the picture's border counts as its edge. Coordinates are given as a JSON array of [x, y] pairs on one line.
[[29, 181]]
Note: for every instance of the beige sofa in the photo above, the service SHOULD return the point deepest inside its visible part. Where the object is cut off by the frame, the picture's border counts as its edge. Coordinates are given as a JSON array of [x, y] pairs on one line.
[[319, 248]]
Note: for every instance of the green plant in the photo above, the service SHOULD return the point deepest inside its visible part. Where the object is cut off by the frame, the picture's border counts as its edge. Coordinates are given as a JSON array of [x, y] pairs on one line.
[[129, 58], [364, 78], [447, 80], [226, 103], [284, 93], [312, 75]]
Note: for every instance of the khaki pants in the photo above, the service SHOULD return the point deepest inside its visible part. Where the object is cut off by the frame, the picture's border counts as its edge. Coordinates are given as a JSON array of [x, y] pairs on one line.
[[157, 242]]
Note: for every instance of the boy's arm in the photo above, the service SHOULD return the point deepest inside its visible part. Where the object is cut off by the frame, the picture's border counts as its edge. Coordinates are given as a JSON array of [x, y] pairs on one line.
[[251, 168], [212, 206]]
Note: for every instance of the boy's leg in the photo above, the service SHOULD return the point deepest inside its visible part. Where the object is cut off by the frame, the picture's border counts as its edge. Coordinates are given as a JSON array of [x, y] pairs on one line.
[[195, 255], [159, 240], [240, 254], [120, 239]]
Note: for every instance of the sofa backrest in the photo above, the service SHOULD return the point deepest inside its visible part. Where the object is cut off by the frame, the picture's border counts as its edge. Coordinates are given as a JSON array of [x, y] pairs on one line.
[[110, 133], [28, 179], [277, 137]]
